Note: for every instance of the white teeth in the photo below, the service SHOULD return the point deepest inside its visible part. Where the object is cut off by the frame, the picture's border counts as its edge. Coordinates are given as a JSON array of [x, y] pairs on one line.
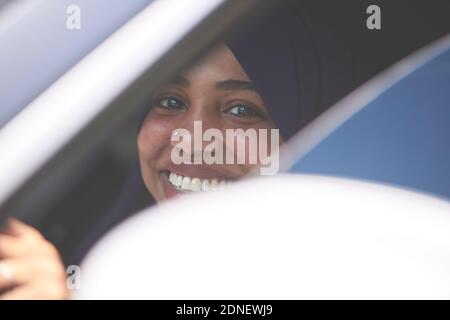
[[214, 184], [222, 184], [178, 181], [195, 184], [205, 185], [172, 178], [186, 184]]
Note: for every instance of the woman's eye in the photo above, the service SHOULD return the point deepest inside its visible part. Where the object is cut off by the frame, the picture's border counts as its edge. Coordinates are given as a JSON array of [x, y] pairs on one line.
[[171, 103], [244, 111]]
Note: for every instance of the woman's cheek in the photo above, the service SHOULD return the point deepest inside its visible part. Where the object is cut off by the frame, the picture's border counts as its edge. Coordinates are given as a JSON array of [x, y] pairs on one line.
[[154, 137]]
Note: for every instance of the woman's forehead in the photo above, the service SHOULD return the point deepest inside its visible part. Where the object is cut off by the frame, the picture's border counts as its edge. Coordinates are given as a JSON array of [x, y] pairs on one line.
[[219, 64]]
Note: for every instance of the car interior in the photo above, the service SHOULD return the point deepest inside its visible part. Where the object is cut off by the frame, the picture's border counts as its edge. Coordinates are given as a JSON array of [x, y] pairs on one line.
[[93, 183]]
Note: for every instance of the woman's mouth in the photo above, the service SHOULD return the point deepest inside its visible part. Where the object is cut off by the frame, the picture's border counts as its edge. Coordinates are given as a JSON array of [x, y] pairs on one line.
[[185, 179], [194, 184]]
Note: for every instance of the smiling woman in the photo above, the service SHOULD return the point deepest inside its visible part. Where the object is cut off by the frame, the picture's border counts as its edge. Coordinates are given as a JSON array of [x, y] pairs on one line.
[[218, 92], [248, 85]]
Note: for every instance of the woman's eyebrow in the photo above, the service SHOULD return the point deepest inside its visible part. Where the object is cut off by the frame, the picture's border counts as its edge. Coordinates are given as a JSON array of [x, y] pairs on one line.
[[232, 84], [180, 81]]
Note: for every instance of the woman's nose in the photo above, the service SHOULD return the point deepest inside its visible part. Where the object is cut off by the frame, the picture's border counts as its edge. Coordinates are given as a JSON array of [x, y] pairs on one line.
[[202, 114], [192, 126]]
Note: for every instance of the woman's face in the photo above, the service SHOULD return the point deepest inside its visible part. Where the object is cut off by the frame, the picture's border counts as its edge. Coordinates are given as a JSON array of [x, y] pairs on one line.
[[216, 91]]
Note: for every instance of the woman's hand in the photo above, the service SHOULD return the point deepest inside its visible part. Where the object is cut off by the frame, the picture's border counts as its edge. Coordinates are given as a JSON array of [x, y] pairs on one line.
[[30, 266]]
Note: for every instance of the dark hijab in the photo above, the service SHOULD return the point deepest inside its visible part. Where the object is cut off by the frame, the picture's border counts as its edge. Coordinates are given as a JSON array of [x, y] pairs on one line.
[[296, 65], [299, 65]]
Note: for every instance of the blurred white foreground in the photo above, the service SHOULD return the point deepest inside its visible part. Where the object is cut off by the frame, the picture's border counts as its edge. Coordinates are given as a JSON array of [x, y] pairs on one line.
[[284, 237]]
